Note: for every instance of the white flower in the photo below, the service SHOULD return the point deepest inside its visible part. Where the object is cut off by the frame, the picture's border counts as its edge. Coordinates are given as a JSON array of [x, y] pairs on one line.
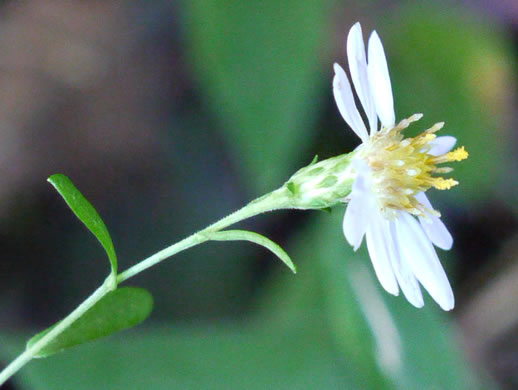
[[387, 203]]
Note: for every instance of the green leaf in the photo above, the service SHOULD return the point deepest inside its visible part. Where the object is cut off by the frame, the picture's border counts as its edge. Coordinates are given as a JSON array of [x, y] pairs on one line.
[[229, 356], [86, 213], [259, 68], [243, 235], [119, 309]]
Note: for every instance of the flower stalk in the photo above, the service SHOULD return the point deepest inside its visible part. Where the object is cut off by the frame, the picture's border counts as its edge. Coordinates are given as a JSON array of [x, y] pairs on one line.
[[278, 199], [383, 182]]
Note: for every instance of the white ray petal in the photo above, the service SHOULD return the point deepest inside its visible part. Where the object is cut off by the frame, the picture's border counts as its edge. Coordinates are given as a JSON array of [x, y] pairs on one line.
[[378, 243], [442, 145], [358, 68], [379, 81], [406, 279], [434, 227], [358, 210], [417, 251], [346, 105]]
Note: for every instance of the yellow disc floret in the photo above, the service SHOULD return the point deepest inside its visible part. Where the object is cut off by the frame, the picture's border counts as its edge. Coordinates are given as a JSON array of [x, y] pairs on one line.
[[402, 167]]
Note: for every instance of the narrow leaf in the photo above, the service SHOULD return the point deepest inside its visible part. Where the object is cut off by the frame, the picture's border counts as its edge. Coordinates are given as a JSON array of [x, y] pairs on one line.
[[119, 309], [243, 235], [86, 213], [257, 72]]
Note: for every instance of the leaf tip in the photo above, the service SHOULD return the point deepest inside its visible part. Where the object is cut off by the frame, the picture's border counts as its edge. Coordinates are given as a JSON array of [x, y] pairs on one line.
[[52, 178]]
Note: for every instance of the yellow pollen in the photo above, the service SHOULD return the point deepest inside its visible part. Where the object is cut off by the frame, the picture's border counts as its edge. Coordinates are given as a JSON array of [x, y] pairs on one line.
[[458, 154], [444, 184], [402, 167]]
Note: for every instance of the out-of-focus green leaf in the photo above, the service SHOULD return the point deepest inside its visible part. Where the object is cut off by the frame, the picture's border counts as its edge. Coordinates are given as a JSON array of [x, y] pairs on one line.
[[119, 309], [457, 68], [86, 213], [258, 65], [295, 355], [388, 342]]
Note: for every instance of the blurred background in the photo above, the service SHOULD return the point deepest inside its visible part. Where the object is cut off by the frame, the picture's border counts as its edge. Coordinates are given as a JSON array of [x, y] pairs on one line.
[[170, 115]]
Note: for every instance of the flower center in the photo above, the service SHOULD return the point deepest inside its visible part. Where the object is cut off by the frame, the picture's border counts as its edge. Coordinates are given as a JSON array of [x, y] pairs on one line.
[[403, 167]]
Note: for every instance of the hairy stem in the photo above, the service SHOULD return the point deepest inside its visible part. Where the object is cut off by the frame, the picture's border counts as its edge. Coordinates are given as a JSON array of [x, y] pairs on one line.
[[31, 352], [273, 201], [269, 202]]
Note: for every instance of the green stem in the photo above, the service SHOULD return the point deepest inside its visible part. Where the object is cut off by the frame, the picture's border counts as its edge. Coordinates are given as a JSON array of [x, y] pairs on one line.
[[31, 352], [273, 201]]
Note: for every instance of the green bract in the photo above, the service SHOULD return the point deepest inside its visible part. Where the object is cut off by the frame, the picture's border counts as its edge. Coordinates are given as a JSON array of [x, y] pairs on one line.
[[243, 235]]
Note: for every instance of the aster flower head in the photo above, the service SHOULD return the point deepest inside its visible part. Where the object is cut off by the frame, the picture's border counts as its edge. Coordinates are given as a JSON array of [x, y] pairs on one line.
[[387, 203]]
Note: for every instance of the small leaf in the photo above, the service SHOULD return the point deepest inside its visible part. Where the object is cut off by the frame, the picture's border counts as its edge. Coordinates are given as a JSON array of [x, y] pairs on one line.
[[243, 235], [86, 213], [119, 309]]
